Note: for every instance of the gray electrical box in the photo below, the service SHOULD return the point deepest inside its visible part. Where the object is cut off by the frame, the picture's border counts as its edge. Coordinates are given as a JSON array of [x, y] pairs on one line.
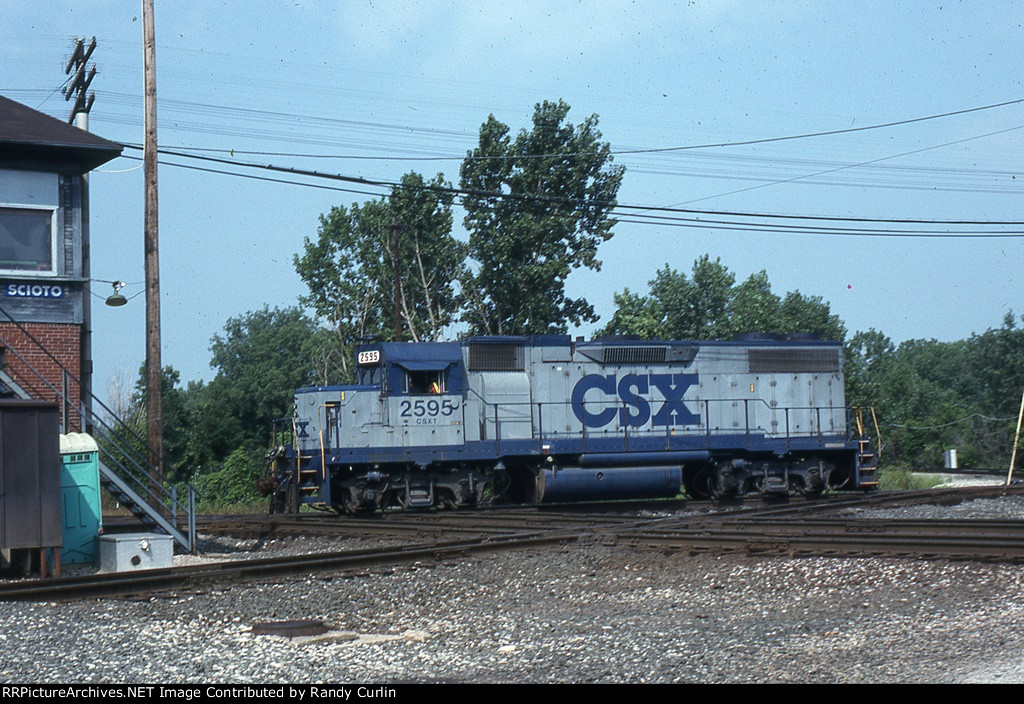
[[951, 459], [128, 552]]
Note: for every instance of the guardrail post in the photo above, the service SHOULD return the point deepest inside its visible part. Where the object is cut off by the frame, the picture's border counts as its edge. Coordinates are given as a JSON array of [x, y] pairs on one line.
[[192, 519]]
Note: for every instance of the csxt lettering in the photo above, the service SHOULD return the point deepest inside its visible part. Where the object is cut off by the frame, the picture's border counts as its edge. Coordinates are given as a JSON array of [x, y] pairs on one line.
[[594, 409]]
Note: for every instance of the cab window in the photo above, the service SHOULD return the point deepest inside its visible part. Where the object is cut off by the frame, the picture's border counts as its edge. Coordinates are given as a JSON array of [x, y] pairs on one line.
[[369, 376], [425, 382]]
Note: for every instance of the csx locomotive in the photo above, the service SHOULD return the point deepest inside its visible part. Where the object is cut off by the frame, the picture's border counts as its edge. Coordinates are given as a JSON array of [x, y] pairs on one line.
[[547, 419]]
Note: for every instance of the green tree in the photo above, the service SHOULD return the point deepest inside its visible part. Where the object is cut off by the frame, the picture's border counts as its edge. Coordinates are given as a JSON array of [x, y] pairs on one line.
[[127, 441], [635, 315], [800, 313], [351, 267], [992, 369], [709, 305], [869, 356], [538, 206], [233, 482], [931, 396], [753, 307], [261, 358]]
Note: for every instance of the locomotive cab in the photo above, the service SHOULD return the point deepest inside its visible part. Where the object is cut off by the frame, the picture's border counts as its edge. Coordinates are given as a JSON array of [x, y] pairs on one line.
[[408, 396]]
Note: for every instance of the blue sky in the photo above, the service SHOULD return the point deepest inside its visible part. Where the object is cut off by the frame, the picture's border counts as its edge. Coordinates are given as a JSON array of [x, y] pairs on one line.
[[400, 81]]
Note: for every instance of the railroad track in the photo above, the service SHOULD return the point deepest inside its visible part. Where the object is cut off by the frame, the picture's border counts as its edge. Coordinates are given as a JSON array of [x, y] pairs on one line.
[[502, 519], [779, 529], [122, 583], [1001, 541], [468, 523]]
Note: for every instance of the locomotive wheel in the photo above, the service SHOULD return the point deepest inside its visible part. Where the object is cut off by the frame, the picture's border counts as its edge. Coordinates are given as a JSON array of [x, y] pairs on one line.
[[811, 479], [697, 483], [814, 486], [348, 504], [446, 500], [723, 482]]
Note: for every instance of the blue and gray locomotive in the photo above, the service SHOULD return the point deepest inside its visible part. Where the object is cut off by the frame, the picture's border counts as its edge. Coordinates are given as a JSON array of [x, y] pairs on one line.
[[548, 419]]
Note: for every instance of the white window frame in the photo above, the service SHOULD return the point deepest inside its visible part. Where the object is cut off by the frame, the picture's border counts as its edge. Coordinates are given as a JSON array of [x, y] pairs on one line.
[[30, 273]]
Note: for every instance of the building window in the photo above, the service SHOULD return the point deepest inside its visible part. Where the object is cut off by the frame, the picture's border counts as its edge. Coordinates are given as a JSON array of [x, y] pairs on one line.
[[27, 240]]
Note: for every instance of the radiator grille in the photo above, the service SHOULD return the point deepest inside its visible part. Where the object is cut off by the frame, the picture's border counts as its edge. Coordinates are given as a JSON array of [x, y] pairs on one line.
[[783, 361], [634, 355], [496, 358]]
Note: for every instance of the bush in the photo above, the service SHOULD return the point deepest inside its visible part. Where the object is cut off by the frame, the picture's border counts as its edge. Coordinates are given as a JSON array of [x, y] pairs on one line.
[[232, 487]]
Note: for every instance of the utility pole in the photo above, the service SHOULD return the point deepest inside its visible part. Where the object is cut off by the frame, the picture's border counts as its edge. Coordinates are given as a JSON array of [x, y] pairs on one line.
[[154, 404], [77, 89], [79, 85]]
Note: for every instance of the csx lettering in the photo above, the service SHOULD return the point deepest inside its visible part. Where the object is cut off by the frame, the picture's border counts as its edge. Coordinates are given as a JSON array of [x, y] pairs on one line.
[[633, 390]]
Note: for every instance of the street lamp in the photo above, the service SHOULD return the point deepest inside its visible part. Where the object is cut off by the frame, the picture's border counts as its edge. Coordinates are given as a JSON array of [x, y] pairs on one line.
[[116, 300]]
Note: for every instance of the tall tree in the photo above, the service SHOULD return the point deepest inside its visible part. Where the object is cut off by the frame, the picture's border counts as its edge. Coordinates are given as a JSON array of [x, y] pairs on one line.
[[351, 268], [538, 206]]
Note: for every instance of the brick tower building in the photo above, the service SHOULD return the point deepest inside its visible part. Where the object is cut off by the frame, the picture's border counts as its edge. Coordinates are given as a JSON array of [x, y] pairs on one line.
[[44, 257]]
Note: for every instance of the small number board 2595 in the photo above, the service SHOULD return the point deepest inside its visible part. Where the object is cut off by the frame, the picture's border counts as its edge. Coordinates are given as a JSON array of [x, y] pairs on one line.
[[369, 357]]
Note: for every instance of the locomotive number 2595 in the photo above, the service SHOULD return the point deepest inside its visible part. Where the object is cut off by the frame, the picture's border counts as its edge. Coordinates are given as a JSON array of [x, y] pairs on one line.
[[431, 407]]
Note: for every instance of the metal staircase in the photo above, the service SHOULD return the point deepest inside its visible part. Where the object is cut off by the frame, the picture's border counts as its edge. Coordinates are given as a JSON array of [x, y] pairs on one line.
[[867, 460], [123, 453]]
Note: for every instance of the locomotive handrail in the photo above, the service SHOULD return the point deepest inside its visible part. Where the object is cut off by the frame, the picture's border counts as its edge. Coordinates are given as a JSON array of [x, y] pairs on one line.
[[493, 414], [530, 416]]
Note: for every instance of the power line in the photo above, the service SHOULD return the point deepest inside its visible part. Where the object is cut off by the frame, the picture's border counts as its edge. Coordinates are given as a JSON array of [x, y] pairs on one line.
[[619, 206], [847, 130], [946, 425], [644, 217], [851, 166], [253, 177], [614, 152], [871, 174]]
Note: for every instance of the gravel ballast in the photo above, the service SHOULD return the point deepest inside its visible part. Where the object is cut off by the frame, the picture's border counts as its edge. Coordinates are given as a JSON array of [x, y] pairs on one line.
[[579, 614]]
